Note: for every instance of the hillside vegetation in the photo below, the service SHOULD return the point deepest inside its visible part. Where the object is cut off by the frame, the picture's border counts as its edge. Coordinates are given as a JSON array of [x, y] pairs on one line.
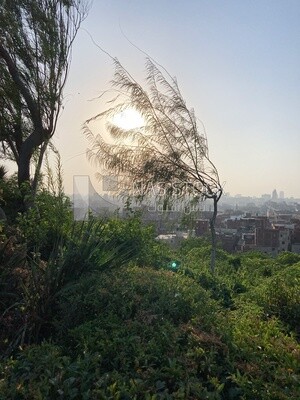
[[93, 310]]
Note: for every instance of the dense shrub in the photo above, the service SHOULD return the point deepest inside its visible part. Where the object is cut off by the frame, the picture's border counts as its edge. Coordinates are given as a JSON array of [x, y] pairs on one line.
[[47, 222], [193, 243], [133, 292], [119, 325], [140, 241], [266, 359], [129, 333], [26, 314], [10, 198], [286, 258], [280, 296]]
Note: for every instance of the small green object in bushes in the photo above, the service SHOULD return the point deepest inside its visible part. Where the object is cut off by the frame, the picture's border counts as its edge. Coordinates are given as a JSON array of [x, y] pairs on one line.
[[174, 265]]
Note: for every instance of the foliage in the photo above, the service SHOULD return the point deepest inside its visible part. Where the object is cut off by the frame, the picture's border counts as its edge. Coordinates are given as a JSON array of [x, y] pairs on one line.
[[131, 334], [49, 218], [86, 324], [167, 157], [191, 243], [10, 198], [47, 221], [35, 45], [136, 293], [140, 240], [267, 360], [280, 296], [168, 148], [37, 282], [286, 258]]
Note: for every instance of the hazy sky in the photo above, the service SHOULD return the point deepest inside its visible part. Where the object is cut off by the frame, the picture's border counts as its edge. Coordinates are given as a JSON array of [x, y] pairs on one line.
[[237, 63]]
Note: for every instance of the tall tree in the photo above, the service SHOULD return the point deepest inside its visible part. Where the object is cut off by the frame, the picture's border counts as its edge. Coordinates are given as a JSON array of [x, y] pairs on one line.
[[168, 149], [36, 37]]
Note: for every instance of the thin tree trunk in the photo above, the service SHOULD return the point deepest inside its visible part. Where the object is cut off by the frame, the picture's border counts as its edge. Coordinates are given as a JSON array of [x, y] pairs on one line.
[[38, 168], [24, 170], [212, 223], [37, 138], [24, 180]]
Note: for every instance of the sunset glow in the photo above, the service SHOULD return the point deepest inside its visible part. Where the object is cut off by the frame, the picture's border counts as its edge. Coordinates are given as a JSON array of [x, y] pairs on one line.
[[128, 119]]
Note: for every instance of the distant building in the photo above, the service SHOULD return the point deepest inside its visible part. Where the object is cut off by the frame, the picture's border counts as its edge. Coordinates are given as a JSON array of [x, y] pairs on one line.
[[267, 240], [247, 224], [295, 239], [285, 239], [274, 195], [248, 241], [173, 239], [202, 227], [228, 238], [281, 195]]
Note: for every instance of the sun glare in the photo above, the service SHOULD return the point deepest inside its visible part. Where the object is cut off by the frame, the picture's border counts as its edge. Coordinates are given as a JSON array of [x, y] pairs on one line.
[[128, 119]]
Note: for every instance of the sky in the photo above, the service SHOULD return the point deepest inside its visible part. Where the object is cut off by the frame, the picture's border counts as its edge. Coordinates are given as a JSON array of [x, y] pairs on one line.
[[237, 63]]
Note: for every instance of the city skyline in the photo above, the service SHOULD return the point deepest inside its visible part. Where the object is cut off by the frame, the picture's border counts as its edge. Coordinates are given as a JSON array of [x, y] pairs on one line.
[[83, 185]]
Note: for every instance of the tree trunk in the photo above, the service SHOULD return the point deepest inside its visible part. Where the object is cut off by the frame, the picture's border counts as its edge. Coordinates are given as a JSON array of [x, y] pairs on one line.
[[38, 168], [24, 169], [24, 183], [212, 223]]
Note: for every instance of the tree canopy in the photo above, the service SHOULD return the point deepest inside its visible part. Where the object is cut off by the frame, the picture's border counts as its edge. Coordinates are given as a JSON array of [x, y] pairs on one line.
[[168, 149], [35, 45]]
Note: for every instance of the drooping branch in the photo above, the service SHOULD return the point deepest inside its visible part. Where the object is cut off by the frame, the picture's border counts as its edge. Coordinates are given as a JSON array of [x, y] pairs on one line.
[[32, 106], [167, 149], [170, 128]]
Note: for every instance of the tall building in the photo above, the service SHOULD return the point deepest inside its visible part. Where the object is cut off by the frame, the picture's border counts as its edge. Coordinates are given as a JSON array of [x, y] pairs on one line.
[[274, 195], [281, 195]]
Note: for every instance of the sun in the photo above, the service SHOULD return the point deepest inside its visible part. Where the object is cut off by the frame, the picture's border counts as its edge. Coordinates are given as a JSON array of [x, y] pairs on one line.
[[128, 119]]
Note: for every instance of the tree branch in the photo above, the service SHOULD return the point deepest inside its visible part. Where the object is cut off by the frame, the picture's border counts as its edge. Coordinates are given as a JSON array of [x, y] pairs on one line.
[[34, 112]]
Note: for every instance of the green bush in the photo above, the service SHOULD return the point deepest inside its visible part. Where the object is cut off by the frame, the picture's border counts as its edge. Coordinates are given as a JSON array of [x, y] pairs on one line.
[[286, 258], [37, 283], [126, 334], [280, 297], [133, 291], [10, 198], [119, 326], [47, 222], [140, 241], [141, 333], [266, 359], [193, 243], [43, 372]]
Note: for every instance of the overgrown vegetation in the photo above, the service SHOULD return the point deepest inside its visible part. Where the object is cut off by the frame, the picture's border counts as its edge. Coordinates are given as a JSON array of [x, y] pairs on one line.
[[91, 311]]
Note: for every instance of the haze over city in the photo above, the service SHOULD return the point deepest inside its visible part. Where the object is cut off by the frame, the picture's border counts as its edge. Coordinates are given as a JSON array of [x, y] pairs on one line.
[[237, 64]]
